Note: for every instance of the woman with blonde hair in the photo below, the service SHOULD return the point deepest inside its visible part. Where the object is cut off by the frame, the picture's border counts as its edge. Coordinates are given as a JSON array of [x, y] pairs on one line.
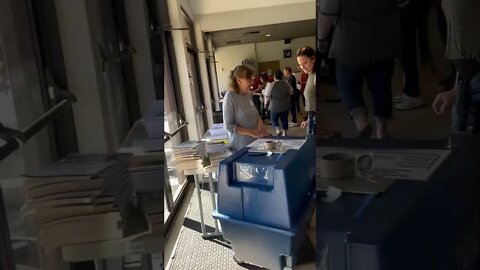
[[240, 116]]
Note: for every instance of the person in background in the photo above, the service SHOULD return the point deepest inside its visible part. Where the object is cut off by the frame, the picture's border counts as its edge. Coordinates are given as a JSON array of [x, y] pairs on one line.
[[278, 96], [365, 44], [240, 117], [265, 82], [463, 50], [292, 81], [448, 82], [410, 98], [306, 61], [256, 89]]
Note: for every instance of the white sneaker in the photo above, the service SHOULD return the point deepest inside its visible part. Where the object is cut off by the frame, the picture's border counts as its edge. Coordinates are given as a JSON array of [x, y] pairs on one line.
[[400, 98], [291, 124], [278, 131], [409, 103]]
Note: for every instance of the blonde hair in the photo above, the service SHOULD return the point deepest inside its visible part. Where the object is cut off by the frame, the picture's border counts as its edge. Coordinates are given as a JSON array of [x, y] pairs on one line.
[[239, 72]]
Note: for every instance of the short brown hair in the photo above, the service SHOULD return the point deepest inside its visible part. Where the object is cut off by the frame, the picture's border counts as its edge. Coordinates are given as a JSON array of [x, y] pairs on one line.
[[239, 72], [287, 68], [306, 51]]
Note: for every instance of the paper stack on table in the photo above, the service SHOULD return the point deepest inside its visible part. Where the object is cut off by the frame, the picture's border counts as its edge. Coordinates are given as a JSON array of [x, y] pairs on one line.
[[258, 146], [389, 165], [216, 158], [216, 139], [190, 155], [153, 211], [216, 143], [70, 200]]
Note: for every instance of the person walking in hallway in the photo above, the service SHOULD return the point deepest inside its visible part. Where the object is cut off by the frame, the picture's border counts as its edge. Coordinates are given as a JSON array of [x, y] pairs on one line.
[[410, 98], [365, 45], [278, 96], [290, 78]]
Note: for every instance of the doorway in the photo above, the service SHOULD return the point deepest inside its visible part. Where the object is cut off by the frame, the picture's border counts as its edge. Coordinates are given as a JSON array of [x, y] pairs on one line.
[[269, 67]]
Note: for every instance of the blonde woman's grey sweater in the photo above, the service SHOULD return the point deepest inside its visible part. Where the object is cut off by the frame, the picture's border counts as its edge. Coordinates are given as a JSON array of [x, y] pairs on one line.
[[239, 110]]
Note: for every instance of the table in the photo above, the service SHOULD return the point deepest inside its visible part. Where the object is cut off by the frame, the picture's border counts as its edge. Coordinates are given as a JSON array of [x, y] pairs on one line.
[[413, 225], [201, 171]]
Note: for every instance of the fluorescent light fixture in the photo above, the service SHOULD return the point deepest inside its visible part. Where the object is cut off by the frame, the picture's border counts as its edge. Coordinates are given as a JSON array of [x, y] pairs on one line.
[[268, 35]]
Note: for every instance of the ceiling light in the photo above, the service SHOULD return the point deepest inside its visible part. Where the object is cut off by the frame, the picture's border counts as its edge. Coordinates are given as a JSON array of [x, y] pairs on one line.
[[268, 35]]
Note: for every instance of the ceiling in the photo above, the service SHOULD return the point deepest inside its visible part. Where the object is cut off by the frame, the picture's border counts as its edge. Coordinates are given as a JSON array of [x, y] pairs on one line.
[[201, 7], [257, 34]]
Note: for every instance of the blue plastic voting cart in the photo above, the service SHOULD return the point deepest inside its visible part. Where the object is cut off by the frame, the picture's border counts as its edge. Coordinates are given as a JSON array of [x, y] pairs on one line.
[[265, 204]]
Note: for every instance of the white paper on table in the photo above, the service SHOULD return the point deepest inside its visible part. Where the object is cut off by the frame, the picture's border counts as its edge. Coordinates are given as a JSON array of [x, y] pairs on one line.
[[218, 132], [216, 138], [411, 164], [217, 126], [287, 144]]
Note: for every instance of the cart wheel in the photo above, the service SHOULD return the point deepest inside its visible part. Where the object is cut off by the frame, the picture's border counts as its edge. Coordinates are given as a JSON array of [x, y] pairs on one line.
[[237, 260]]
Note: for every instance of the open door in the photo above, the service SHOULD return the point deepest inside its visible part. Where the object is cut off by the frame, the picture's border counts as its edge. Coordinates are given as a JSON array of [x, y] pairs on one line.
[[270, 67]]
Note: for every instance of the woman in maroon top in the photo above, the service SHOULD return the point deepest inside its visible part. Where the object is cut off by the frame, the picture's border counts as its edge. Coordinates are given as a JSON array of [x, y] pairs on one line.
[[256, 89]]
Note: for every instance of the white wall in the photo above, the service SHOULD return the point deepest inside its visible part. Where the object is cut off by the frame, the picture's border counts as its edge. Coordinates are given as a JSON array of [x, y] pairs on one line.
[[230, 56], [273, 50]]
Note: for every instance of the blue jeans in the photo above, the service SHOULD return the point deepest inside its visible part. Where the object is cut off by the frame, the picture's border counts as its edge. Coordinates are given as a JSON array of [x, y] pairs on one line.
[[350, 80], [282, 116], [468, 97], [312, 123]]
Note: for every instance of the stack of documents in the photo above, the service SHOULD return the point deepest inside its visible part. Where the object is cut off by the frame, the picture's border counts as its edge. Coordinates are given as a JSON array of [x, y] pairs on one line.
[[215, 158], [190, 155], [70, 200], [216, 136]]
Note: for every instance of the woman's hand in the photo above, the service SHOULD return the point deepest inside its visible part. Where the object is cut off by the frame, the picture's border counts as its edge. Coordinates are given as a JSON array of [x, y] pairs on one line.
[[444, 101], [260, 124], [304, 124], [261, 129], [259, 133], [264, 133]]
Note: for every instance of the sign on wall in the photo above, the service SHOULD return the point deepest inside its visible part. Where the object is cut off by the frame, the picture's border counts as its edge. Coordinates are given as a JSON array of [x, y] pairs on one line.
[[287, 53]]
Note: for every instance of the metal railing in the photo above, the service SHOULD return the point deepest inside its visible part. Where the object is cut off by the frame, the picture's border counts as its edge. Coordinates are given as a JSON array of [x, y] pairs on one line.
[[168, 136]]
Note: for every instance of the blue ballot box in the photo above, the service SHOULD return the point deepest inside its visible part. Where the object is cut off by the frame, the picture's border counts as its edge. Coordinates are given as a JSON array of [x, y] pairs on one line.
[[265, 204]]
